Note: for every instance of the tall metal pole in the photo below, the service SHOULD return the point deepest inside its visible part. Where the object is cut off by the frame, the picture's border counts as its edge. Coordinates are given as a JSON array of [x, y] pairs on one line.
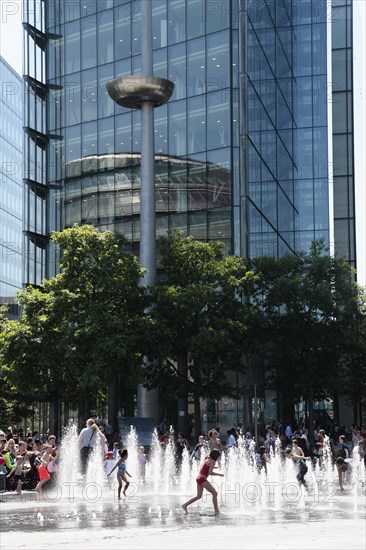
[[145, 92], [147, 400], [147, 212], [255, 415]]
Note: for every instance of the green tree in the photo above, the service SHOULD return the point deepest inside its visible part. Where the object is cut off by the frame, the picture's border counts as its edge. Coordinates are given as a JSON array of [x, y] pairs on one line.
[[13, 405], [310, 302], [202, 325], [84, 326], [353, 362]]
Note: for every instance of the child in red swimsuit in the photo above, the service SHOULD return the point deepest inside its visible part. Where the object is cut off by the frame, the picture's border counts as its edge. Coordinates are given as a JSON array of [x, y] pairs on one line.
[[202, 483]]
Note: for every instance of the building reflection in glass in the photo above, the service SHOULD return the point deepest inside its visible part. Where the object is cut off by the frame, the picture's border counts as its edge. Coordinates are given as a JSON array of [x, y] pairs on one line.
[[193, 196]]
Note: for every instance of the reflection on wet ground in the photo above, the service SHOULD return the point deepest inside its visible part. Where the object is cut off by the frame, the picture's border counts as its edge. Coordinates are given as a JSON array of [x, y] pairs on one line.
[[163, 512]]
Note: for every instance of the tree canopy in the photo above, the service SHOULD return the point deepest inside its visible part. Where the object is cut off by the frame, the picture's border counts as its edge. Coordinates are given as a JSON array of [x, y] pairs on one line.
[[204, 325], [312, 306], [83, 326], [204, 316]]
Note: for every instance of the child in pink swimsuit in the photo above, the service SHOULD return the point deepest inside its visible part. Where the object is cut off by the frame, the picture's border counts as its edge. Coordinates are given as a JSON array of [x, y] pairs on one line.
[[202, 482]]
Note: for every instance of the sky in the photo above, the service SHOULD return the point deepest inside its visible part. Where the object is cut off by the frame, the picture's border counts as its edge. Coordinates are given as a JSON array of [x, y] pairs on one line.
[[11, 33], [11, 37]]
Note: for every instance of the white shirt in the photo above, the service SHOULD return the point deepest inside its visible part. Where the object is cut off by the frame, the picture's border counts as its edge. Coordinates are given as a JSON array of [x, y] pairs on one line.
[[86, 439], [231, 442]]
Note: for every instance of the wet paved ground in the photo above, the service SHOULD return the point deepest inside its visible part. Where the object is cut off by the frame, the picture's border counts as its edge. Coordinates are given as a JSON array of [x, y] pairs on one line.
[[142, 519]]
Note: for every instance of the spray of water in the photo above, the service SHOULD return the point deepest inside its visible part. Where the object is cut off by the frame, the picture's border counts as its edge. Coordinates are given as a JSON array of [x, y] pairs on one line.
[[245, 481]]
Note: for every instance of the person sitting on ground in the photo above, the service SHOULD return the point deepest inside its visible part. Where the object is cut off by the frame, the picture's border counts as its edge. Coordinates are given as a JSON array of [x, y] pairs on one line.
[[9, 453], [17, 473], [2, 466], [37, 446]]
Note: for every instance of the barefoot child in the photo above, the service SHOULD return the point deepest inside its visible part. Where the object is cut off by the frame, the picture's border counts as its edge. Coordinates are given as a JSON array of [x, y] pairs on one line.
[[43, 474], [142, 462], [206, 470], [109, 464], [18, 472], [122, 472]]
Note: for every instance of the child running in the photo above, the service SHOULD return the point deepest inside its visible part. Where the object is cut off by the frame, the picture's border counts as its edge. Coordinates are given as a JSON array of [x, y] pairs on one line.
[[109, 464], [142, 458], [121, 472], [206, 470], [43, 474]]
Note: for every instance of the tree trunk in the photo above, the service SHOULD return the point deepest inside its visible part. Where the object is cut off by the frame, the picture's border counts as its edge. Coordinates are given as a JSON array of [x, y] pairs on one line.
[[247, 410], [54, 418], [182, 402], [113, 402], [311, 416], [66, 412], [87, 406], [197, 415], [129, 401], [336, 409]]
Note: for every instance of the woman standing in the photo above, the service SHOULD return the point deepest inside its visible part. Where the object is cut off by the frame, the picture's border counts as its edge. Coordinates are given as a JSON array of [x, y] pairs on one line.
[[214, 443], [88, 440]]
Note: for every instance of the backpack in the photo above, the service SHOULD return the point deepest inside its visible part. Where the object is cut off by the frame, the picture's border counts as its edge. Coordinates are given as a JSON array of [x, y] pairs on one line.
[[37, 461]]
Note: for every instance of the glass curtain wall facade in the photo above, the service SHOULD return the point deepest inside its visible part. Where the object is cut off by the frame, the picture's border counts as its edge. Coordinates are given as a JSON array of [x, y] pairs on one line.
[[36, 141], [343, 149], [87, 135], [285, 157], [11, 186], [241, 146]]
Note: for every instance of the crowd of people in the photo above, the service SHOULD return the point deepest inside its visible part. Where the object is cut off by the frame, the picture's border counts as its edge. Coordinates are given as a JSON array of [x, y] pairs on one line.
[[293, 444], [28, 463]]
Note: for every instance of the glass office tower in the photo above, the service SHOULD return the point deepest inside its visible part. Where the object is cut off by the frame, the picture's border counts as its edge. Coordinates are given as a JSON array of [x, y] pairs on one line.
[[253, 149], [343, 131], [11, 186], [243, 146]]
